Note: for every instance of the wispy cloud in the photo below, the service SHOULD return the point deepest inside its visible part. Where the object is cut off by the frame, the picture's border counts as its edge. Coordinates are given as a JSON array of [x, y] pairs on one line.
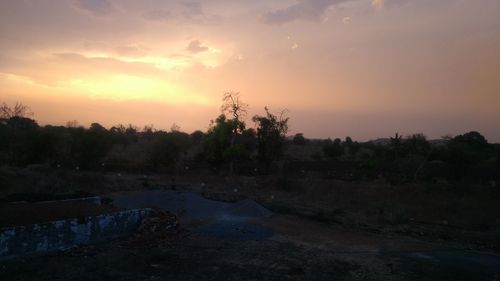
[[314, 10], [184, 12], [192, 8], [96, 7], [158, 15], [195, 46], [131, 50], [379, 4], [309, 10]]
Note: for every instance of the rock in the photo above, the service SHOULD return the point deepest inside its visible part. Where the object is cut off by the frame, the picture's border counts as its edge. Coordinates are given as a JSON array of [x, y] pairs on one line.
[[158, 221], [161, 228]]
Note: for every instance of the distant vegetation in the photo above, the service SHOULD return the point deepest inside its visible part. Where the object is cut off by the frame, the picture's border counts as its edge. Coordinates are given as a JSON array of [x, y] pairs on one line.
[[230, 146]]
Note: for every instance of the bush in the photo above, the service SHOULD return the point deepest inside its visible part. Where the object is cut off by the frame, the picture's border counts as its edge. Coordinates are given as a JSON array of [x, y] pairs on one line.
[[167, 148], [299, 139], [333, 149]]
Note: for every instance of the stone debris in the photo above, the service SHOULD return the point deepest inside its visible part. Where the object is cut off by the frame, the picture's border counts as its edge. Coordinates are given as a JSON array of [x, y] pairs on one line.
[[226, 216], [84, 251], [161, 228], [159, 221]]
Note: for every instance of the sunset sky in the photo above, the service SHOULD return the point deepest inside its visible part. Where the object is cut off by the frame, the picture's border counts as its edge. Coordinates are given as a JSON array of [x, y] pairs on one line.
[[363, 68]]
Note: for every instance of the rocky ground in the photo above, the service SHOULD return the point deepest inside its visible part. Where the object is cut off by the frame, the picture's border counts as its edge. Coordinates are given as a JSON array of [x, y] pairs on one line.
[[299, 249], [343, 231]]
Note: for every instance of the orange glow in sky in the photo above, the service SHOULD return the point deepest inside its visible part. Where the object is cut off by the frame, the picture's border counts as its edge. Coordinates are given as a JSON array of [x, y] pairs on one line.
[[363, 68]]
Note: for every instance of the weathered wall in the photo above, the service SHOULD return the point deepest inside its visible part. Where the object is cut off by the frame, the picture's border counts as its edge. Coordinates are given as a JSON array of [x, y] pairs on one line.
[[64, 234], [97, 200]]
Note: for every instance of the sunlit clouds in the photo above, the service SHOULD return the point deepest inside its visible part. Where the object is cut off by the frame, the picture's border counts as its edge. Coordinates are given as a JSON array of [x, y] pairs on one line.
[[378, 3], [349, 67]]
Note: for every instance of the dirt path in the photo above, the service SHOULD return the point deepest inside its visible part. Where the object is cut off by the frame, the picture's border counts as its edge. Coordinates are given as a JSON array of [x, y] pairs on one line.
[[298, 249]]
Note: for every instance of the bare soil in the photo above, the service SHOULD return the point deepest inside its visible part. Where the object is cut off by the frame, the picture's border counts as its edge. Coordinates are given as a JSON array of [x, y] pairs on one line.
[[323, 230], [300, 250]]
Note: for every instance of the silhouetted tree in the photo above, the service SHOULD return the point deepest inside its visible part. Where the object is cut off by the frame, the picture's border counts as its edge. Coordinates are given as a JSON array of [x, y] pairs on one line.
[[299, 139], [333, 149], [148, 132], [467, 156], [120, 136], [19, 135], [93, 145], [167, 149], [417, 144], [175, 128], [248, 138], [72, 124], [96, 127], [18, 110], [235, 107], [271, 133], [22, 123], [396, 145], [197, 137], [20, 140], [131, 133], [118, 129], [417, 150], [218, 139], [351, 147]]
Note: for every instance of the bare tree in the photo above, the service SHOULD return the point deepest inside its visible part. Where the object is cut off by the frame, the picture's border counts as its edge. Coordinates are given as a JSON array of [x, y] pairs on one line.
[[72, 124], [19, 110], [175, 128], [234, 106]]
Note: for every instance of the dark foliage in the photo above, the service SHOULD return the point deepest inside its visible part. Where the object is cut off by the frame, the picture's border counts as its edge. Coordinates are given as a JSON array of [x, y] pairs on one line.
[[466, 158], [271, 133], [299, 139], [166, 149], [333, 149]]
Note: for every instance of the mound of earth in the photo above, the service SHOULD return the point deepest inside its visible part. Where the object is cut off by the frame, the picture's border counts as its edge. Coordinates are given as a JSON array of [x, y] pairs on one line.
[[247, 209], [235, 221]]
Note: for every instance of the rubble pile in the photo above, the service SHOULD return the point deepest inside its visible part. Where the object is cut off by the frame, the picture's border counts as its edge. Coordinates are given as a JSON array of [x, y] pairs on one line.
[[158, 222], [161, 228]]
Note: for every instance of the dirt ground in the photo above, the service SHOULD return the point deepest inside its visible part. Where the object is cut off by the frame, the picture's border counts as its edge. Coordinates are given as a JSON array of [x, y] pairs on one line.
[[323, 230], [300, 249]]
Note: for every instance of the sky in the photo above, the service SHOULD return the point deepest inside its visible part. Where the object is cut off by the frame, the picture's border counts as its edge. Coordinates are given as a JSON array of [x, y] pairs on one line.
[[359, 68]]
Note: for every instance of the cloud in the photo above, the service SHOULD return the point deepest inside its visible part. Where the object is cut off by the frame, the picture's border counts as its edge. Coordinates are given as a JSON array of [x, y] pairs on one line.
[[196, 47], [379, 4], [309, 10], [314, 10], [131, 51], [69, 66], [85, 64], [183, 12], [346, 20], [158, 15], [96, 7], [192, 8]]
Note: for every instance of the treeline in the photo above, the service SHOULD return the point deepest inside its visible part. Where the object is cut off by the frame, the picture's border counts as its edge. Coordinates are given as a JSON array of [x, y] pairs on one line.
[[467, 157], [24, 142], [231, 146]]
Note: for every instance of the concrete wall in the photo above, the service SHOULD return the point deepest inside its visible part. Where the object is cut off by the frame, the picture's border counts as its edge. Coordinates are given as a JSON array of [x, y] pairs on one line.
[[64, 234], [96, 200]]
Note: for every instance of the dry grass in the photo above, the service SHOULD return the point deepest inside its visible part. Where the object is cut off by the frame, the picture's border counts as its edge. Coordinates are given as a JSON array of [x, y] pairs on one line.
[[408, 208]]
